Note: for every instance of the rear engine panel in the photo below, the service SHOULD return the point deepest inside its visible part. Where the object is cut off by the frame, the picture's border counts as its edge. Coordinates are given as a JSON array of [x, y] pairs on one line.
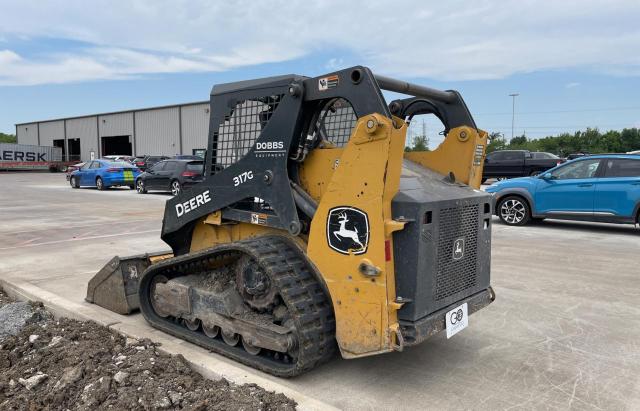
[[443, 256]]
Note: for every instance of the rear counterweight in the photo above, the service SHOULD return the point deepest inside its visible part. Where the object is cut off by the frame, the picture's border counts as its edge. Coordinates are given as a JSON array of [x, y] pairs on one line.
[[444, 255]]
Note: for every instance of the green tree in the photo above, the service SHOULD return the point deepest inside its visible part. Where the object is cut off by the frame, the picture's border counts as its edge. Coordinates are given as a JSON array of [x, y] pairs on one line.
[[420, 143], [496, 142], [518, 141], [7, 138], [630, 139], [590, 140]]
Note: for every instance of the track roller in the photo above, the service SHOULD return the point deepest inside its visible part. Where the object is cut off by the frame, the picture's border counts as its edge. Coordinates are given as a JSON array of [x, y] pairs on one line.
[[193, 325], [230, 337], [211, 331], [260, 290], [248, 347]]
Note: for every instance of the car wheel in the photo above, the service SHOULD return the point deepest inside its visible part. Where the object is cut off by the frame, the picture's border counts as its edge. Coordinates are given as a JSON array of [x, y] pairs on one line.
[[175, 187], [100, 184], [140, 187], [514, 210], [534, 173], [74, 182]]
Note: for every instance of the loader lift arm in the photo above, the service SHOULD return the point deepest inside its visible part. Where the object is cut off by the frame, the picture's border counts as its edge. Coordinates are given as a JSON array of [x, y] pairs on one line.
[[290, 108], [310, 228]]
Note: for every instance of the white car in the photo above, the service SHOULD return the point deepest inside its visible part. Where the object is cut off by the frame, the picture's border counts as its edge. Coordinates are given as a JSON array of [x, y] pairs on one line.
[[117, 158], [634, 152]]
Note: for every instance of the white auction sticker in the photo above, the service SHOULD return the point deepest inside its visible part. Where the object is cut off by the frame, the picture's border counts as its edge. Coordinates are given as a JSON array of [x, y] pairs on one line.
[[457, 320]]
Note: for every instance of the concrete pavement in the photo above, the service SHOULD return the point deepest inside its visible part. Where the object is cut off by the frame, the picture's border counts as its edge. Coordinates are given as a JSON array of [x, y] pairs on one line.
[[563, 332]]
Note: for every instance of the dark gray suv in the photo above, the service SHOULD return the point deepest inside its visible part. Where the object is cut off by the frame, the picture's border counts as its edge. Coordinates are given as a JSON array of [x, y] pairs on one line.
[[170, 175]]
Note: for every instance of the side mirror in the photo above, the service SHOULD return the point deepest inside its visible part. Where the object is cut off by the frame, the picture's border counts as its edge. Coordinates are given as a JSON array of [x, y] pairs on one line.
[[547, 176]]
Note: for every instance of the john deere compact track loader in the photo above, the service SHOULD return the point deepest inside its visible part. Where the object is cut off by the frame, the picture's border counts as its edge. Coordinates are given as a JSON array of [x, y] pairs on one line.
[[312, 226]]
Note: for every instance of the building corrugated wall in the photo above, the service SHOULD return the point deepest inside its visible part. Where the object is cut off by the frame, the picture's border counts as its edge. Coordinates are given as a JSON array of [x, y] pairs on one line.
[[120, 124], [51, 130], [166, 130], [85, 129], [27, 133], [158, 132], [195, 127]]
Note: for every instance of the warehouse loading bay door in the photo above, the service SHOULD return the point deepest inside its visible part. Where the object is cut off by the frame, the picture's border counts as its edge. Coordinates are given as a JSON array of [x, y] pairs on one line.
[[60, 144], [74, 149], [116, 145]]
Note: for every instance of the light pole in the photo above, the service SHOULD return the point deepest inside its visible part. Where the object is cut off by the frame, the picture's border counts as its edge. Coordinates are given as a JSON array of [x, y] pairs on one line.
[[513, 112]]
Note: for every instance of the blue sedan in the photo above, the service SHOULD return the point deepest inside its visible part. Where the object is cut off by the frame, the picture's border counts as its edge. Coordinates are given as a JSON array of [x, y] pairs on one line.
[[602, 188], [103, 174]]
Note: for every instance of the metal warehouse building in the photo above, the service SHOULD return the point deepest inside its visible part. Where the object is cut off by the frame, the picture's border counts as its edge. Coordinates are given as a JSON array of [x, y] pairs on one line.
[[166, 130]]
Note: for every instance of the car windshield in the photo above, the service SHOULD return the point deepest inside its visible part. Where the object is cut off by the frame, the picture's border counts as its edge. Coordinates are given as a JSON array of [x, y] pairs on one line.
[[196, 166]]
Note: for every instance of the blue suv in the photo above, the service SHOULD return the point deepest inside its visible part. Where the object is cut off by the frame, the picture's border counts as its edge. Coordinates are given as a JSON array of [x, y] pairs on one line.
[[603, 188]]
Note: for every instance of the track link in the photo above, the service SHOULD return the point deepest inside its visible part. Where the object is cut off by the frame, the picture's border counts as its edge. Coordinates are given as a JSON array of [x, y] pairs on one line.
[[309, 307]]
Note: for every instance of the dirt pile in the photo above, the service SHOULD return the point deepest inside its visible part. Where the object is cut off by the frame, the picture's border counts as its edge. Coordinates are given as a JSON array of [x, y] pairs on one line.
[[66, 364]]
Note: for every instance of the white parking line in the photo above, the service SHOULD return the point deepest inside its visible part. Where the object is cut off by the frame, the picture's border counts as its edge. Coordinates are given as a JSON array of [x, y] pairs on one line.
[[78, 239], [29, 241], [72, 227]]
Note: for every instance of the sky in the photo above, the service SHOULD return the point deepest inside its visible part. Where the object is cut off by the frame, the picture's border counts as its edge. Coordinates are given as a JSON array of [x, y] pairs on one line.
[[574, 64]]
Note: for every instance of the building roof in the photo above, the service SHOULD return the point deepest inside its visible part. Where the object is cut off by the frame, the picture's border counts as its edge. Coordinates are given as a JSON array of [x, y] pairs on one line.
[[115, 112]]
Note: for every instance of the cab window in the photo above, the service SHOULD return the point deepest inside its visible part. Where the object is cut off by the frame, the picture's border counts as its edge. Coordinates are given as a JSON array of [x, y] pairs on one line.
[[622, 168], [543, 155], [95, 165], [158, 166], [170, 166], [506, 155], [578, 169]]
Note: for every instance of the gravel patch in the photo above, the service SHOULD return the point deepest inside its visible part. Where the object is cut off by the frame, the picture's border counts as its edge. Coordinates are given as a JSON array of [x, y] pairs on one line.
[[14, 316], [60, 364]]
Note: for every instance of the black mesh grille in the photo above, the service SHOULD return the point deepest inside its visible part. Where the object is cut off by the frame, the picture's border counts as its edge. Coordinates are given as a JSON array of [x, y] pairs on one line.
[[455, 275], [239, 131], [337, 121]]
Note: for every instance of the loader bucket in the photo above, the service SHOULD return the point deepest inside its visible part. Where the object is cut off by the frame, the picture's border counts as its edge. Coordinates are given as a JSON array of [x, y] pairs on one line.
[[115, 286]]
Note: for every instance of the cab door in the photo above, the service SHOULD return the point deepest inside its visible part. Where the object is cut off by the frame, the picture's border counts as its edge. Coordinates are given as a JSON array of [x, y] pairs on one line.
[[92, 173], [82, 173], [569, 190], [506, 163], [167, 174], [490, 162], [153, 175], [618, 191]]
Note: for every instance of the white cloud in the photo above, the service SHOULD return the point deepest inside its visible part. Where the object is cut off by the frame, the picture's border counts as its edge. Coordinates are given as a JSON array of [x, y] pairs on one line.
[[334, 64], [453, 40], [571, 85]]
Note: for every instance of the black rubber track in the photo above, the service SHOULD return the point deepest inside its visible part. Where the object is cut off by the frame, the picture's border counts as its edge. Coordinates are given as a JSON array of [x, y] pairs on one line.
[[299, 289]]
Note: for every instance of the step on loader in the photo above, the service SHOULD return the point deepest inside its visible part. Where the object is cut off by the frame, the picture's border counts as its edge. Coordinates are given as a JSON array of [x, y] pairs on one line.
[[313, 229]]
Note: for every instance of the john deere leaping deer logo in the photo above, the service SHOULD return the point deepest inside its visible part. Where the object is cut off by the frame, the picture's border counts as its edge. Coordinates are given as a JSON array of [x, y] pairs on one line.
[[348, 230], [458, 249]]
